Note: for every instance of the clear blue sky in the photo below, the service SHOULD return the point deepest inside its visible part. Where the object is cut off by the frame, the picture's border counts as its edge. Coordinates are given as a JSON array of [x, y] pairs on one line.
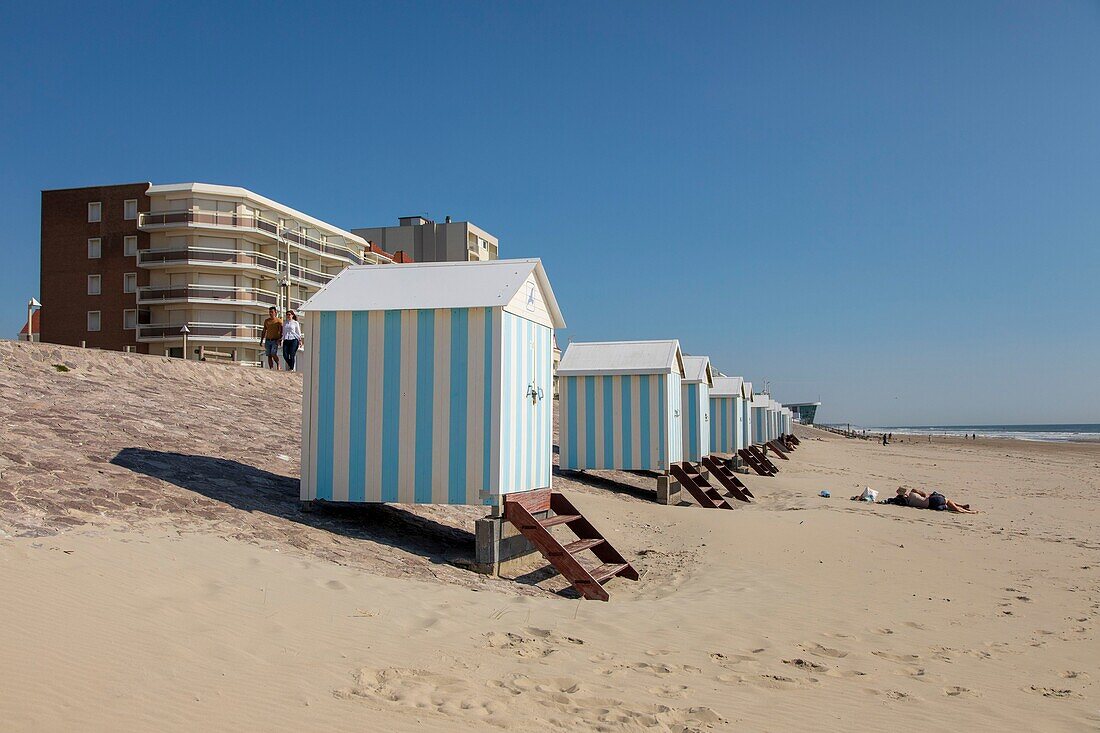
[[890, 207]]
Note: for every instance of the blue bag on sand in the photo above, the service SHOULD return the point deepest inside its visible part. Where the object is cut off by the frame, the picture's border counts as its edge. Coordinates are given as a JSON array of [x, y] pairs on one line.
[[825, 493]]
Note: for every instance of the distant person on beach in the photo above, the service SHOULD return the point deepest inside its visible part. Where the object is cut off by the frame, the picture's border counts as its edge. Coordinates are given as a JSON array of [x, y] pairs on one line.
[[884, 438], [935, 501], [270, 337], [292, 339]]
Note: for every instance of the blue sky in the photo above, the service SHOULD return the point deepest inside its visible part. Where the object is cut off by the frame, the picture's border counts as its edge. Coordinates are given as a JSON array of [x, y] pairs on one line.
[[890, 207]]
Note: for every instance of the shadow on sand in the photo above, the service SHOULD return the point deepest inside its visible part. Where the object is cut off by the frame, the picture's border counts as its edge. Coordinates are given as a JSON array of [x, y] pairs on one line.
[[595, 481], [253, 489]]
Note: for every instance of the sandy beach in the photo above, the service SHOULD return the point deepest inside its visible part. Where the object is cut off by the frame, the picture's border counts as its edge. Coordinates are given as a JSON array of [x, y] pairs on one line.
[[159, 574]]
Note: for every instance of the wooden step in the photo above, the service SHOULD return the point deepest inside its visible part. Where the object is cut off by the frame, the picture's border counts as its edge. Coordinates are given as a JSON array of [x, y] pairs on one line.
[[700, 489], [607, 571], [519, 509], [581, 545], [559, 519]]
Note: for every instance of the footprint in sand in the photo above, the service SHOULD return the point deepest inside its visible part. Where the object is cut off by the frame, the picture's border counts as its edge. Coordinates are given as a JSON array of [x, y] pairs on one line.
[[899, 695], [335, 585], [1054, 692], [824, 651], [669, 691], [956, 691], [899, 658], [805, 664], [543, 703]]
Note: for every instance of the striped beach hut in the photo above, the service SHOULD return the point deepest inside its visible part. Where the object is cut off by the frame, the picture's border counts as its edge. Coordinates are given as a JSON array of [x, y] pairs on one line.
[[760, 427], [620, 405], [429, 383], [728, 399], [695, 397]]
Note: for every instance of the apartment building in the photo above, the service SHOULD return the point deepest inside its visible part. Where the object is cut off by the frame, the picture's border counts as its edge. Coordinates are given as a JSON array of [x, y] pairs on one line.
[[126, 267], [427, 241]]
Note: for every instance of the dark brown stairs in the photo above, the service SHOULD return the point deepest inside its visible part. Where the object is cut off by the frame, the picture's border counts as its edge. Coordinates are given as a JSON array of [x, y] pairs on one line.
[[754, 462], [761, 453], [725, 475], [690, 478], [780, 449], [520, 510]]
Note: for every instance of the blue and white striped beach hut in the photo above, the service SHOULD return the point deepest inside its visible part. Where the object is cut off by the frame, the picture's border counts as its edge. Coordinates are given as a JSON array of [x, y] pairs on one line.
[[620, 405], [429, 383], [760, 426], [695, 397], [727, 415]]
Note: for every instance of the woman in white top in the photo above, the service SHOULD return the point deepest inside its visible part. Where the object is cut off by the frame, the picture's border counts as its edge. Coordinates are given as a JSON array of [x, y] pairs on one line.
[[292, 339]]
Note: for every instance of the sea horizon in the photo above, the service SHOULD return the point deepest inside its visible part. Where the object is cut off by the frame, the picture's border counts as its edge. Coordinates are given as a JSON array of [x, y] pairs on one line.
[[1042, 432]]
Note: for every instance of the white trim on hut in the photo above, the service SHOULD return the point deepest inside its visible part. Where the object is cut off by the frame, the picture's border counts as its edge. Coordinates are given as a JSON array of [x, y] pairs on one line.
[[429, 383]]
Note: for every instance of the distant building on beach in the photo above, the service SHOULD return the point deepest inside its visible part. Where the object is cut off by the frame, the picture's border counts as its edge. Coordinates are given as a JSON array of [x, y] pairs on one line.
[[803, 412], [427, 241], [36, 326], [126, 267]]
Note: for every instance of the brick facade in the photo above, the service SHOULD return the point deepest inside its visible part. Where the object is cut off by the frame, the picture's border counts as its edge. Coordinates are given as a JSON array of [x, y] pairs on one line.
[[66, 266]]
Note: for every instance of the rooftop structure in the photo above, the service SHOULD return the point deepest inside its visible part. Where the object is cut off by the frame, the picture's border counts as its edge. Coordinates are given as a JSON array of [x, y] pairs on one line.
[[427, 241]]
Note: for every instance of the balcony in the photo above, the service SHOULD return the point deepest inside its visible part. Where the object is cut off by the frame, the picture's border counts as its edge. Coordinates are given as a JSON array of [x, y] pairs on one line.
[[201, 256], [155, 221], [229, 332], [218, 294]]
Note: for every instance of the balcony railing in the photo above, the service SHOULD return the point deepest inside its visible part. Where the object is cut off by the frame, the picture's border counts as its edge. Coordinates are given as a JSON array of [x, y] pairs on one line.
[[226, 293], [162, 219], [308, 275], [207, 255], [200, 331]]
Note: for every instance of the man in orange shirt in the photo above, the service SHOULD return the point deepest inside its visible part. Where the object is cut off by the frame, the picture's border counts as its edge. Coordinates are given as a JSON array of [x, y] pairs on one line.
[[271, 336]]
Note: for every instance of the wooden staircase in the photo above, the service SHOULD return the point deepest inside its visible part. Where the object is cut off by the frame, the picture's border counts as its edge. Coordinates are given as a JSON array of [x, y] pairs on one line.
[[588, 580], [727, 478], [699, 488], [792, 438], [753, 461], [761, 452], [780, 449]]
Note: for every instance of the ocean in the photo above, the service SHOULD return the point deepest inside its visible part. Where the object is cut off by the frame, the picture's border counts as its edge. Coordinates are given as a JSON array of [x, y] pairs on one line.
[[1052, 433]]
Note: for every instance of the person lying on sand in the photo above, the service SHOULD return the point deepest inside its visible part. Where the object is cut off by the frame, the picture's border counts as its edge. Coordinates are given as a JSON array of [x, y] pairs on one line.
[[935, 500]]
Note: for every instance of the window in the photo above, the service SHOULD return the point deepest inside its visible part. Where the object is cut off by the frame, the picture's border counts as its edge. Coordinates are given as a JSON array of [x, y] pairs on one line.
[[129, 246], [93, 320], [95, 211], [95, 248], [129, 282], [95, 285], [129, 319], [129, 209]]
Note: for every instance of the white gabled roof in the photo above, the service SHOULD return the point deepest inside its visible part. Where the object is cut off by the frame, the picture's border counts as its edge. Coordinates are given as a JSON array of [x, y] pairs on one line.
[[428, 285], [761, 400], [697, 370], [728, 387], [622, 357]]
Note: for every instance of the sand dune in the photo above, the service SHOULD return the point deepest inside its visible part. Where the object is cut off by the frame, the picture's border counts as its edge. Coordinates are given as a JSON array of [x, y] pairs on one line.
[[158, 574]]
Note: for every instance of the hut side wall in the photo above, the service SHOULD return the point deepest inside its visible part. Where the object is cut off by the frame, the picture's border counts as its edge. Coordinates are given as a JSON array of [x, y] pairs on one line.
[[675, 417], [617, 422], [760, 425], [696, 423], [526, 424], [727, 429], [402, 406]]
